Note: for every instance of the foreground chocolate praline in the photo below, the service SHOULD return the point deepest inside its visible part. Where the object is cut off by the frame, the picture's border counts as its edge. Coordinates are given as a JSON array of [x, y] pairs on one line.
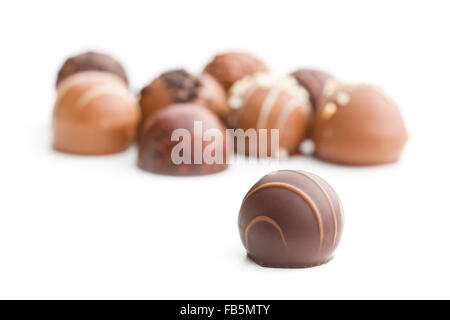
[[230, 67], [91, 61], [314, 81], [95, 113], [157, 147], [262, 101], [179, 86], [358, 125], [291, 219]]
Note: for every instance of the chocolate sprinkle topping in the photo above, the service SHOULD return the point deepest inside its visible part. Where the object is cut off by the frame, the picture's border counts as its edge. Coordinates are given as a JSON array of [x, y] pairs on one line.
[[182, 85]]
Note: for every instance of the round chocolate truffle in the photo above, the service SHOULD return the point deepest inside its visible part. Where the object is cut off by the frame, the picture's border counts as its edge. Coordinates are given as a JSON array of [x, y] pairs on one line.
[[91, 61], [358, 125], [291, 219], [313, 81], [183, 140], [179, 86], [94, 113], [230, 67], [261, 101], [213, 96]]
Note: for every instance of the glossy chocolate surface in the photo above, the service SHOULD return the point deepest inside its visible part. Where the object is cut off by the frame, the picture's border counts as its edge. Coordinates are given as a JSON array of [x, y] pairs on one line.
[[291, 219]]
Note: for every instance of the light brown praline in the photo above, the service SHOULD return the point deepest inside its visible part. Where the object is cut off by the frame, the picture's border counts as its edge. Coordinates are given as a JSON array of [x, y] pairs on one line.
[[260, 102], [358, 125], [230, 67], [95, 113]]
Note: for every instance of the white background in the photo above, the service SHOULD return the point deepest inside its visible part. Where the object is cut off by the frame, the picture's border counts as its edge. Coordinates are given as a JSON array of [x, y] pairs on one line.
[[98, 227]]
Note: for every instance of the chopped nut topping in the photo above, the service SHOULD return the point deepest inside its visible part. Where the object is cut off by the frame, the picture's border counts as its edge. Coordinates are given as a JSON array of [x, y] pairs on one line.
[[329, 110], [241, 87], [239, 90], [332, 86], [343, 98]]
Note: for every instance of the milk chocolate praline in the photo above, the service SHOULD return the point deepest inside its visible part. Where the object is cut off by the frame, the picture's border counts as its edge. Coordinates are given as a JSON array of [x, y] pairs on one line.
[[261, 101], [291, 219], [156, 145], [91, 61], [358, 124], [314, 81], [95, 113], [230, 67], [179, 86]]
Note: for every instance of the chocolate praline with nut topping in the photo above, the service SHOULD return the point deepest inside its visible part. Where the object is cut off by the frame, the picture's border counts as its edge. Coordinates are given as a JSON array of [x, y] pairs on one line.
[[358, 124], [264, 102], [179, 86], [291, 219], [230, 67], [314, 81], [157, 147], [91, 61]]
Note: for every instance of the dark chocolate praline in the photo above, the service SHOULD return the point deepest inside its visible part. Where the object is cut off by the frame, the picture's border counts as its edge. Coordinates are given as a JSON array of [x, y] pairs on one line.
[[91, 61], [156, 145], [291, 219]]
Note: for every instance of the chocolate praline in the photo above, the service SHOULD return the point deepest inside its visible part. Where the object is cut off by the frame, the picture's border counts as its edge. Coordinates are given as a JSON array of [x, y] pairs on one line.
[[91, 61], [358, 124], [262, 101], [314, 81], [179, 86], [291, 219], [230, 67], [95, 113], [156, 146]]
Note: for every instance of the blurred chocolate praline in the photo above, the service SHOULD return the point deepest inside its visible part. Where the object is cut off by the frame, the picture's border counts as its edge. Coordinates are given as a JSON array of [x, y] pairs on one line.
[[358, 124], [91, 61], [95, 113], [263, 102], [230, 67], [179, 86], [156, 146]]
